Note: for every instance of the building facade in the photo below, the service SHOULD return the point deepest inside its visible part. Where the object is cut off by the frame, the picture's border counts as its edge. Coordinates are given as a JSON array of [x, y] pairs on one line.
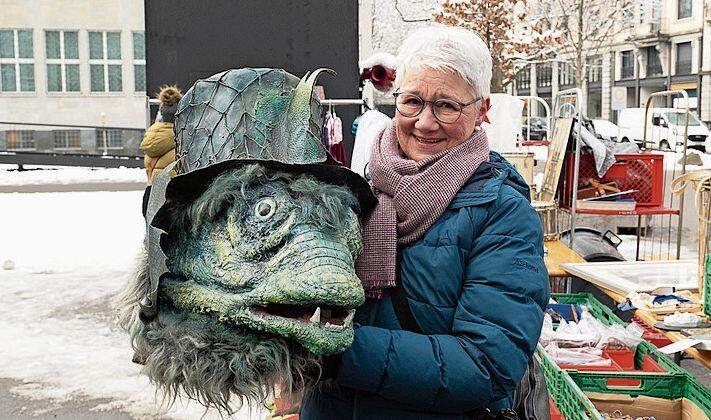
[[72, 62], [657, 45]]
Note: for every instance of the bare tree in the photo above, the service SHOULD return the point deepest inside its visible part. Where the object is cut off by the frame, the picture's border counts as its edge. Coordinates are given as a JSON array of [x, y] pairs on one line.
[[587, 27], [504, 27]]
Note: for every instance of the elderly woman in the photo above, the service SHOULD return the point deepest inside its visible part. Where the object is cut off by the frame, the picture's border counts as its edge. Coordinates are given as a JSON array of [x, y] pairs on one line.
[[453, 255]]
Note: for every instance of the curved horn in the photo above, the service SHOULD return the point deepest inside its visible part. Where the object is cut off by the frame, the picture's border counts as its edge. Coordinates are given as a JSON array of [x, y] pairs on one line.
[[300, 106]]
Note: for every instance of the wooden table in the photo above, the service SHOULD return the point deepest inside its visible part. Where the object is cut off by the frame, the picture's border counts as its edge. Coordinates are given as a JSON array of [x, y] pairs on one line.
[[559, 253], [703, 356]]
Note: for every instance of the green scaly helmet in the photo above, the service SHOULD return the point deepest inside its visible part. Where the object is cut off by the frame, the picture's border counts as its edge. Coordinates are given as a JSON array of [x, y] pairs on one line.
[[265, 116]]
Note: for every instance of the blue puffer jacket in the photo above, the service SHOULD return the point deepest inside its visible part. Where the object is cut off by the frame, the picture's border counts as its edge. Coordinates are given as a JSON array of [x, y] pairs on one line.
[[476, 284]]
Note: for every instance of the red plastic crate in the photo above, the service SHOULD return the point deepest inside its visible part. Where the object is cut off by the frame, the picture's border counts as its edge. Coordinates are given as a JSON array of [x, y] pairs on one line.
[[613, 367], [642, 172], [555, 413], [622, 361], [651, 334]]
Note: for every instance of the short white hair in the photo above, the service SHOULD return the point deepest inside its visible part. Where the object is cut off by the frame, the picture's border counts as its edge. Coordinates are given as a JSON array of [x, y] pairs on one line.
[[447, 48]]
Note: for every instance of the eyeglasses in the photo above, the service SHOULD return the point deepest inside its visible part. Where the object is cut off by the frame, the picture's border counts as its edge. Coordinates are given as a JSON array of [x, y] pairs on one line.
[[445, 110]]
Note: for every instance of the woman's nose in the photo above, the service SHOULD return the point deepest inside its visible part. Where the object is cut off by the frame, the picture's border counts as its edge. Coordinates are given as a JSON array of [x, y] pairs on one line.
[[426, 121]]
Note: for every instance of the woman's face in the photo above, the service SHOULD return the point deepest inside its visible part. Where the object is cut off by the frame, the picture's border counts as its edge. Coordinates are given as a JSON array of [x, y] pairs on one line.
[[423, 135]]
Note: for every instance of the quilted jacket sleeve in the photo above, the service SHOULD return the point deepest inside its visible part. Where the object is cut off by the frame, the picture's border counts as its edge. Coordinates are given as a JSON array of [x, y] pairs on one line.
[[496, 326], [159, 139]]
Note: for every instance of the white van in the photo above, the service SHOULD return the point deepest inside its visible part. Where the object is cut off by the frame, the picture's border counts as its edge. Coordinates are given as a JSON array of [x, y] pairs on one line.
[[665, 128]]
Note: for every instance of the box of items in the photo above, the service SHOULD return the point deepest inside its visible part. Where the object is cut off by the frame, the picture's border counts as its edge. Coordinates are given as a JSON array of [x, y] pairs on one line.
[[607, 317], [586, 396], [642, 173], [617, 406], [662, 396]]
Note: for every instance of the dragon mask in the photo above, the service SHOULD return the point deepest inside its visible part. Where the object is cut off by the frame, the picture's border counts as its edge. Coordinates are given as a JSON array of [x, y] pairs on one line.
[[248, 280]]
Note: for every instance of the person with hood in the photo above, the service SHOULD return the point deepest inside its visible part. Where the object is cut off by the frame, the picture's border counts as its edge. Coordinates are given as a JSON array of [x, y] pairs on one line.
[[453, 254], [158, 145]]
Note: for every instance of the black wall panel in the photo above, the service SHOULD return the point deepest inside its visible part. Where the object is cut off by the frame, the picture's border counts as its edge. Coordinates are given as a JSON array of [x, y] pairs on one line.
[[187, 40]]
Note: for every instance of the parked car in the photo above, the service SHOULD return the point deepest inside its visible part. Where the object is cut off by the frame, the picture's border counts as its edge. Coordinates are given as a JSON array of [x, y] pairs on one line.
[[606, 129], [538, 132], [665, 128]]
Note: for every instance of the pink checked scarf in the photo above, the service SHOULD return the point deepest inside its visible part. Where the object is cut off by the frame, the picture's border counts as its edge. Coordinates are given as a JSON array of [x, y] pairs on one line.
[[411, 197]]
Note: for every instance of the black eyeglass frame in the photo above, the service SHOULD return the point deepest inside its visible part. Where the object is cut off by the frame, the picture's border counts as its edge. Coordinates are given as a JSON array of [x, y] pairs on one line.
[[424, 103]]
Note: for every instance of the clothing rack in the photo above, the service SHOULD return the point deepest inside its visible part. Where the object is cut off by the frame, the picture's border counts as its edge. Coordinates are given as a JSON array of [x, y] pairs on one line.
[[340, 102]]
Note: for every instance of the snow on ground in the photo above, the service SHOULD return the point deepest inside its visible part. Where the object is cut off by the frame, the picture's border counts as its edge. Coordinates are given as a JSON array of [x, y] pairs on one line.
[[9, 175], [72, 252]]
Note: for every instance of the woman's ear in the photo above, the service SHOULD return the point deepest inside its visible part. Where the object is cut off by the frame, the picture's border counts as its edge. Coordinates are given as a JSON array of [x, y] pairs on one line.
[[483, 110]]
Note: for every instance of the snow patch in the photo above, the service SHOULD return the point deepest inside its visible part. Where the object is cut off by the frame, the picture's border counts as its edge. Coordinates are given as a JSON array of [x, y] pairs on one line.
[[73, 252]]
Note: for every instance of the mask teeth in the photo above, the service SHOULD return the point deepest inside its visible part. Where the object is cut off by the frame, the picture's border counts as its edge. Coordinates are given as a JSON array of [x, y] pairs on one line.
[[316, 317], [349, 319], [334, 328]]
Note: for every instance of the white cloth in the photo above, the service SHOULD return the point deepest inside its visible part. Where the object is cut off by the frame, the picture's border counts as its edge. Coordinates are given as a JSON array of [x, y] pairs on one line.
[[504, 127], [370, 125]]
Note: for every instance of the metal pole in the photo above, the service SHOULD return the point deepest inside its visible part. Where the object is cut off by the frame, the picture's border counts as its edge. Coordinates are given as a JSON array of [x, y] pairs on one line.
[[667, 94], [148, 111], [103, 132], [546, 107], [639, 233], [337, 102], [683, 171], [576, 168]]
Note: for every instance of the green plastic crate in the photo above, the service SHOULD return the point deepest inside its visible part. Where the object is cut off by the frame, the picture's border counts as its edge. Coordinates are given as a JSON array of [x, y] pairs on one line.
[[668, 386], [567, 388], [607, 317], [597, 309], [567, 396]]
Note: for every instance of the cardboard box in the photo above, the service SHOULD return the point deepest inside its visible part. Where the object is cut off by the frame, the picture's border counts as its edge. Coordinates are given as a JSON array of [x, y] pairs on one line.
[[642, 406]]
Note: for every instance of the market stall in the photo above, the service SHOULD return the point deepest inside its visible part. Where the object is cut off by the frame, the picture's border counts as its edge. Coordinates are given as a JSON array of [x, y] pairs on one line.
[[597, 365]]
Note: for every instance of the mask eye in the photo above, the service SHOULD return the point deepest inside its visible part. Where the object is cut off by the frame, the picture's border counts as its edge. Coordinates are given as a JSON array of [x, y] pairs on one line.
[[264, 209]]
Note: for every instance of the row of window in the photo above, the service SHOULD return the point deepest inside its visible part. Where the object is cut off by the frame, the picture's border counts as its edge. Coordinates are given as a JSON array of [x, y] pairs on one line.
[[634, 12], [654, 65], [544, 75], [64, 139], [62, 58], [566, 72]]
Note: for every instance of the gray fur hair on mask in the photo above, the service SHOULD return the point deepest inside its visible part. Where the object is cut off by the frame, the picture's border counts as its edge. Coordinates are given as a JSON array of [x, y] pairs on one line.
[[196, 356]]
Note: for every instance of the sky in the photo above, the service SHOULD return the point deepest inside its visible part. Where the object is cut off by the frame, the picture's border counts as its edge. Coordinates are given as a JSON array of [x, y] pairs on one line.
[[71, 252]]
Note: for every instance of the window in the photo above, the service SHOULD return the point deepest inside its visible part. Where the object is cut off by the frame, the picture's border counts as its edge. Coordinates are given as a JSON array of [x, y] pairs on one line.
[[108, 138], [683, 58], [523, 78], [566, 75], [679, 118], [20, 139], [594, 69], [139, 62], [683, 9], [17, 68], [67, 139], [594, 104], [62, 61], [654, 66], [627, 59], [628, 13], [105, 61], [544, 75]]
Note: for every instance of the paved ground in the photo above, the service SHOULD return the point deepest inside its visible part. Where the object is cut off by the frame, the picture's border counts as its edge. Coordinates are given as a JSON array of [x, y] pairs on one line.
[[87, 186], [14, 407]]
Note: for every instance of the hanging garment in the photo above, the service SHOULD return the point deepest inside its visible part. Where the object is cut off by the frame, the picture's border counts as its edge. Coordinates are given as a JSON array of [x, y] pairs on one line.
[[335, 138], [325, 133], [370, 125]]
